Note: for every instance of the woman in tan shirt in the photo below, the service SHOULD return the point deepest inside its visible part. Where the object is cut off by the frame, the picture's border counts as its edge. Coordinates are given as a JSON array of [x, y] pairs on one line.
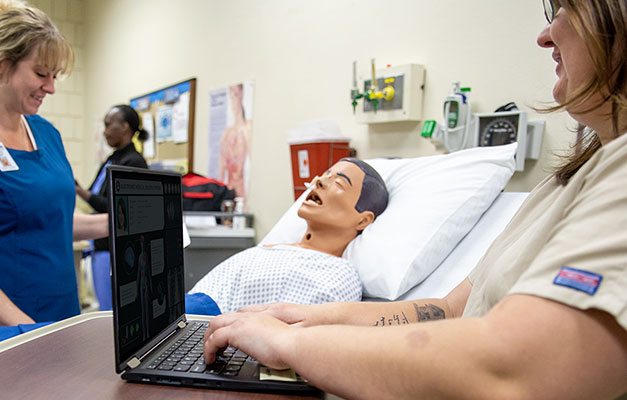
[[545, 311]]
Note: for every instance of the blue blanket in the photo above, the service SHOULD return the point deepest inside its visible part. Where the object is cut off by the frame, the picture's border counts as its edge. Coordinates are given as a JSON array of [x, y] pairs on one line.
[[200, 303]]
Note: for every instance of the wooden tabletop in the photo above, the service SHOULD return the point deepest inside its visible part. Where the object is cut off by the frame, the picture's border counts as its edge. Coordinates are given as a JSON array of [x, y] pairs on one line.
[[76, 361]]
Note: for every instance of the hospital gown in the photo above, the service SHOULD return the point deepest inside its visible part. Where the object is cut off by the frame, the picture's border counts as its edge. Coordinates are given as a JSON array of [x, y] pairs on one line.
[[282, 273]]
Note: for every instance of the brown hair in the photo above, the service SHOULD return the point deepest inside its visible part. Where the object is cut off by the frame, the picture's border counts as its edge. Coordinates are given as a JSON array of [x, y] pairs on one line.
[[602, 26], [24, 29]]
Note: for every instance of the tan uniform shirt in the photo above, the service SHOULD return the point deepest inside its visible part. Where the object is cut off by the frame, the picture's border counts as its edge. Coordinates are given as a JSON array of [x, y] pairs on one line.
[[566, 243]]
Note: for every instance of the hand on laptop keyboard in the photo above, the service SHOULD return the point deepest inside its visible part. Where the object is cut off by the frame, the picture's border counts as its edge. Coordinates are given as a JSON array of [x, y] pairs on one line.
[[186, 355]]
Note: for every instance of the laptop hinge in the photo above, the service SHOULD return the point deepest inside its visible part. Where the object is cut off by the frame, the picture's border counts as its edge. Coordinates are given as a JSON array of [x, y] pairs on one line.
[[133, 362]]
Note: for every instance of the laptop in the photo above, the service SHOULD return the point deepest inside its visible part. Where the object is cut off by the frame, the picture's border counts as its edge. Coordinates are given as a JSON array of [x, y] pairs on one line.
[[154, 342]]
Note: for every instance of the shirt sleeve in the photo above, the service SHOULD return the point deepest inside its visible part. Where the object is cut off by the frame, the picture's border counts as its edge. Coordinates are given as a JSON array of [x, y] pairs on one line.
[[98, 203], [584, 262]]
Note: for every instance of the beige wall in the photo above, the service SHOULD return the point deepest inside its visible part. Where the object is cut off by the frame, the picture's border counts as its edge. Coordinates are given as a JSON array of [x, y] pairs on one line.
[[299, 54], [65, 109]]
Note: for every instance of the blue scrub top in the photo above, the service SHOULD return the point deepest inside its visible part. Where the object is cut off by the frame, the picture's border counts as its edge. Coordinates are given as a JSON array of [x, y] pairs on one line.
[[36, 216]]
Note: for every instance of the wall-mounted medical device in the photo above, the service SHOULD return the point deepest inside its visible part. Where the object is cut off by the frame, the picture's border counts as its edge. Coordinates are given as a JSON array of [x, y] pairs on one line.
[[494, 129], [391, 94], [457, 118], [462, 129]]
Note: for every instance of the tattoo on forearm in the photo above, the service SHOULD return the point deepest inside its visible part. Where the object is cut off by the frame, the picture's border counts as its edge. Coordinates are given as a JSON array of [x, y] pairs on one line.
[[428, 312], [397, 319]]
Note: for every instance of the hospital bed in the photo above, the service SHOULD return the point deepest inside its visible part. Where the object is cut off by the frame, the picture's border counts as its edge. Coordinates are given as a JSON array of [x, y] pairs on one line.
[[443, 214]]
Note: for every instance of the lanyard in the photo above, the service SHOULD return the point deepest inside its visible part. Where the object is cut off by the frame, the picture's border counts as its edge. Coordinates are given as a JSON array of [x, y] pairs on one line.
[[95, 188]]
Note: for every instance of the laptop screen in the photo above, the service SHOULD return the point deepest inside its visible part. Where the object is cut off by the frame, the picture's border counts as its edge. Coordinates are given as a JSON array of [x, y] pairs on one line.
[[147, 255]]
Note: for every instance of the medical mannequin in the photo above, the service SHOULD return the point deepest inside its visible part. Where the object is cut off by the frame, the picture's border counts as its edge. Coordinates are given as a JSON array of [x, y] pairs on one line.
[[545, 310], [344, 200], [342, 203]]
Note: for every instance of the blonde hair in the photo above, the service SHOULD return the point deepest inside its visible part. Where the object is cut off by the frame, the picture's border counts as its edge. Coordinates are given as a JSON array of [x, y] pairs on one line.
[[24, 29], [602, 24]]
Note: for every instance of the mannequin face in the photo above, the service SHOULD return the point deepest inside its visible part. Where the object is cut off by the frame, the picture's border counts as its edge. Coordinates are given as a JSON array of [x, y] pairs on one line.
[[331, 203]]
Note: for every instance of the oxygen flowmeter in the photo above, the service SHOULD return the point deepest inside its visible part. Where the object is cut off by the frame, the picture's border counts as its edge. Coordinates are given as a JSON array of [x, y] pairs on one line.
[[390, 94], [371, 94]]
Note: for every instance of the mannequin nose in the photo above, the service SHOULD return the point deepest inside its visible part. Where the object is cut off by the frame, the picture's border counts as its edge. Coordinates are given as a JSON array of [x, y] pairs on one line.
[[324, 180]]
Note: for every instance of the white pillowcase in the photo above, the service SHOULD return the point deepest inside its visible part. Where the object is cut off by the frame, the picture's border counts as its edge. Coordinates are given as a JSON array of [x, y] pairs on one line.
[[434, 202]]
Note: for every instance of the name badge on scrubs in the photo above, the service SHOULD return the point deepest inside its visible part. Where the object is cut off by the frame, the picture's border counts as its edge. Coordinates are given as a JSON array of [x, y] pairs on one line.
[[7, 163]]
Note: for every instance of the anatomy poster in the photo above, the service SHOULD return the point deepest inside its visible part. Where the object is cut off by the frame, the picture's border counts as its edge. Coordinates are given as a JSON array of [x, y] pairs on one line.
[[230, 129]]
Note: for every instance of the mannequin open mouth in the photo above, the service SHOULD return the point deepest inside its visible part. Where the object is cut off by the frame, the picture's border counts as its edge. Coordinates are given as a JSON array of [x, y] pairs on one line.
[[314, 198]]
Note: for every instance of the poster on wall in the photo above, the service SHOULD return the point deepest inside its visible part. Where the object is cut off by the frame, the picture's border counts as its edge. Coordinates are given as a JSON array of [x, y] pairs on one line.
[[164, 123], [230, 130], [180, 118], [149, 144], [168, 116]]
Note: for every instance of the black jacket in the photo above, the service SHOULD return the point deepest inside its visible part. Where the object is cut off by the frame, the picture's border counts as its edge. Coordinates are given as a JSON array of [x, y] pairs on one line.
[[128, 156]]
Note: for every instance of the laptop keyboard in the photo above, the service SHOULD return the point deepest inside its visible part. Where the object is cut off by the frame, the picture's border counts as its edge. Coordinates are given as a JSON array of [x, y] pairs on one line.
[[186, 354]]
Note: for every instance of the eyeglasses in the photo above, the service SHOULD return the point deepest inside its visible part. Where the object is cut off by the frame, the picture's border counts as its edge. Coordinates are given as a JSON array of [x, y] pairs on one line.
[[550, 9]]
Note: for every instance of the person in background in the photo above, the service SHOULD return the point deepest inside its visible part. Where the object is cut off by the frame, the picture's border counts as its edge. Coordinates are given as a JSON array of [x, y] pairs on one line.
[[121, 126], [37, 196], [544, 311]]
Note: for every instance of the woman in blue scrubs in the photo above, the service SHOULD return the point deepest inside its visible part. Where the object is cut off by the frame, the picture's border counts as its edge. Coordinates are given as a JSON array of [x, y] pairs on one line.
[[37, 196]]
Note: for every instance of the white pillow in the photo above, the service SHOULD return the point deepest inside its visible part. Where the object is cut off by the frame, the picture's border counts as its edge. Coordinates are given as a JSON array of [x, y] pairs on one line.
[[434, 202]]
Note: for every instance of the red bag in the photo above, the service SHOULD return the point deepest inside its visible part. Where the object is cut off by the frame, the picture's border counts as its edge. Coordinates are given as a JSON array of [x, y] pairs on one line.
[[204, 194]]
